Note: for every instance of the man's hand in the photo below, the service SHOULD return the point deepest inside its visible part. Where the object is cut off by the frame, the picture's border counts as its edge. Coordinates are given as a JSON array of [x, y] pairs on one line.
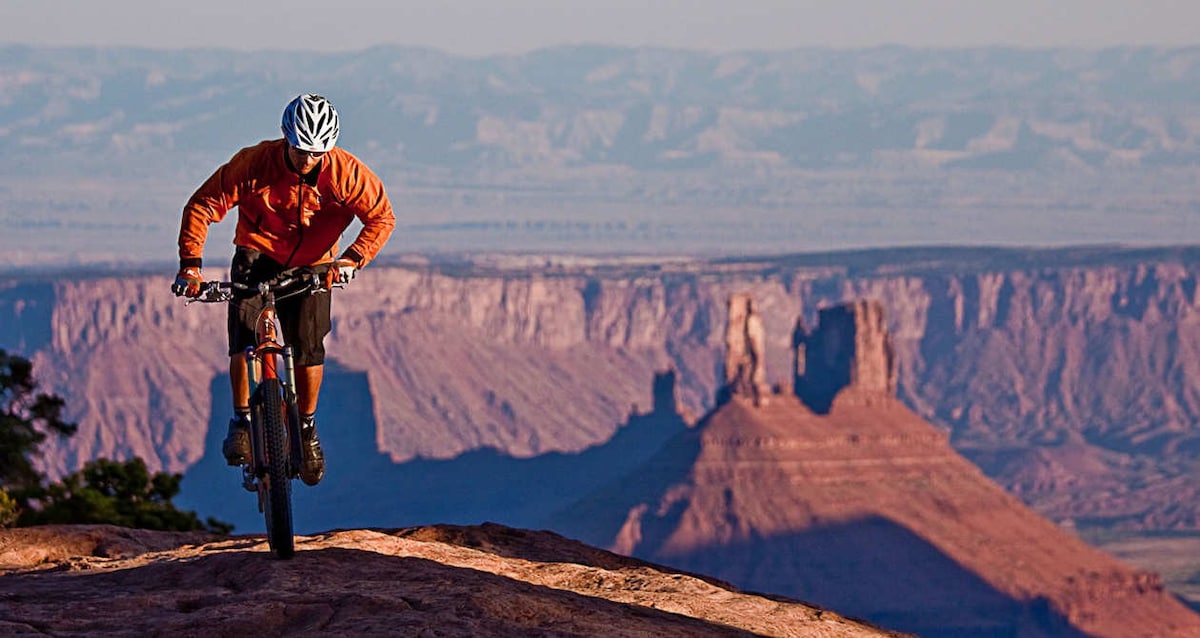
[[340, 272], [187, 282]]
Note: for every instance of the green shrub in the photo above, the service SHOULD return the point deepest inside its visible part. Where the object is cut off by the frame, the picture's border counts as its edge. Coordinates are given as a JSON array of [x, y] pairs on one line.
[[117, 493], [103, 491], [8, 510]]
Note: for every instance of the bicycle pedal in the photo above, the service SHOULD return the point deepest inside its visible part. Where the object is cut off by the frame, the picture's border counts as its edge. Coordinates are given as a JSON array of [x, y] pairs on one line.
[[248, 482]]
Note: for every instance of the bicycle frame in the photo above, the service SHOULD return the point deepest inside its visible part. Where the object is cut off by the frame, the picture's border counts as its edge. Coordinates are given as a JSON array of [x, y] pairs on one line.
[[262, 362]]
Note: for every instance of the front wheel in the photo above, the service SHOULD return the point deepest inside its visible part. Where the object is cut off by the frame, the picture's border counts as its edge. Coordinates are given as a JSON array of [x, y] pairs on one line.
[[277, 477]]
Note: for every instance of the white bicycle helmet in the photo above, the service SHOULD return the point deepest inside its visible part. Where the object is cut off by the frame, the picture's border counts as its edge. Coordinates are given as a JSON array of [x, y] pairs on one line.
[[310, 123]]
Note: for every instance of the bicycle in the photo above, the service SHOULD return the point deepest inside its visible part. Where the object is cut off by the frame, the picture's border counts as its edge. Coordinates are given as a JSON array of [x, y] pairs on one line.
[[275, 443]]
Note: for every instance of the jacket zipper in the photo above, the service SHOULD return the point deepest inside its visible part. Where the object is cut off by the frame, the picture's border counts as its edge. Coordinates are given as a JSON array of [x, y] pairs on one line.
[[299, 218]]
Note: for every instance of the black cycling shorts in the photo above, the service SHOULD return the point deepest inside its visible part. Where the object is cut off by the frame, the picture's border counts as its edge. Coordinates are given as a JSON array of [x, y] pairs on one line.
[[304, 318]]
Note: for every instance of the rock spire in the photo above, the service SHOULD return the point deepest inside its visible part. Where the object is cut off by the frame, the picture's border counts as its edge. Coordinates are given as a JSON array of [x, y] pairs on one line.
[[745, 352], [850, 349]]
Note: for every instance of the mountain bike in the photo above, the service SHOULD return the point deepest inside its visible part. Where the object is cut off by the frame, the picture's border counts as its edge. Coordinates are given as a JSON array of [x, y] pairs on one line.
[[275, 444]]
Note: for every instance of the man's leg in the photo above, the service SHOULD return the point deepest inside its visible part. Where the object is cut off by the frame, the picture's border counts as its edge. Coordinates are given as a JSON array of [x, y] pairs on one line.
[[236, 446], [308, 387], [248, 267], [305, 322], [239, 378]]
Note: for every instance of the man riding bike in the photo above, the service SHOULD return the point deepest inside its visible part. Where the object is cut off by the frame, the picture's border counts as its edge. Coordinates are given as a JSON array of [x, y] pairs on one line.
[[295, 196]]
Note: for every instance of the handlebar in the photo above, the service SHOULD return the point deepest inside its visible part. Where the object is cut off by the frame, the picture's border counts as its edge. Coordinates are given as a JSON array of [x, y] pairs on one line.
[[295, 282]]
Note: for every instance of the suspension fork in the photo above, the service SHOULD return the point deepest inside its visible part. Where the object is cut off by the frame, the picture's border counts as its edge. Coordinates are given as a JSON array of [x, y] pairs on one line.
[[253, 370], [265, 360], [292, 410], [287, 378], [254, 374], [289, 375]]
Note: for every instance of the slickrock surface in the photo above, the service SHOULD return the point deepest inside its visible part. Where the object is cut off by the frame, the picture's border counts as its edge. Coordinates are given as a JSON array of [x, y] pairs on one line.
[[487, 580]]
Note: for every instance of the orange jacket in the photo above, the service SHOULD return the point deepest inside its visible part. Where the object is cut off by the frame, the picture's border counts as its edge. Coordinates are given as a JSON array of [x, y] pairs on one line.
[[282, 216]]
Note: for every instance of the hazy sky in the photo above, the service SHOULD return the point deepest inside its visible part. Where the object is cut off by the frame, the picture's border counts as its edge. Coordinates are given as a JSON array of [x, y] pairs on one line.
[[481, 27]]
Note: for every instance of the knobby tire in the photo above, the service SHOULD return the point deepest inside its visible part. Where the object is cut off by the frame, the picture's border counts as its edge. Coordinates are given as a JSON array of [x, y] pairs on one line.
[[278, 511]]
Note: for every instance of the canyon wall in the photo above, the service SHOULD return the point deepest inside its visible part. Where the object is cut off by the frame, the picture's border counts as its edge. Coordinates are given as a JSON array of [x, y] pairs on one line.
[[1070, 376]]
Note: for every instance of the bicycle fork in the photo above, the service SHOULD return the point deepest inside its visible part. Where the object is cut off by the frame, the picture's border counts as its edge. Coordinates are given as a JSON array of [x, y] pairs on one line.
[[293, 412], [255, 369]]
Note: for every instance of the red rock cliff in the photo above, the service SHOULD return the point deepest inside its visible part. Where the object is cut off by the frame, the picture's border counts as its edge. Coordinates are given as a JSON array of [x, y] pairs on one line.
[[1101, 351]]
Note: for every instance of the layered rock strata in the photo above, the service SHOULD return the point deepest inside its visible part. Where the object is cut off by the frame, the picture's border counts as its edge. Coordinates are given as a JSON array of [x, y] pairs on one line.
[[866, 507], [1072, 375]]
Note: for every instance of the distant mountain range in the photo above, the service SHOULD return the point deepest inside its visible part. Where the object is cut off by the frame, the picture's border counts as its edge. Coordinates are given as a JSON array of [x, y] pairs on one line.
[[631, 108], [603, 149]]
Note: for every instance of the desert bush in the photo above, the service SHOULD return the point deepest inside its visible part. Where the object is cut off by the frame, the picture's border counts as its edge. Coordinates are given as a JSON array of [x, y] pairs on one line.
[[104, 491]]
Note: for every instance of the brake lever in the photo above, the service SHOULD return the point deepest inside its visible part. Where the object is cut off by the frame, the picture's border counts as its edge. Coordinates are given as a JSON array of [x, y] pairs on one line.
[[324, 283], [212, 292]]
